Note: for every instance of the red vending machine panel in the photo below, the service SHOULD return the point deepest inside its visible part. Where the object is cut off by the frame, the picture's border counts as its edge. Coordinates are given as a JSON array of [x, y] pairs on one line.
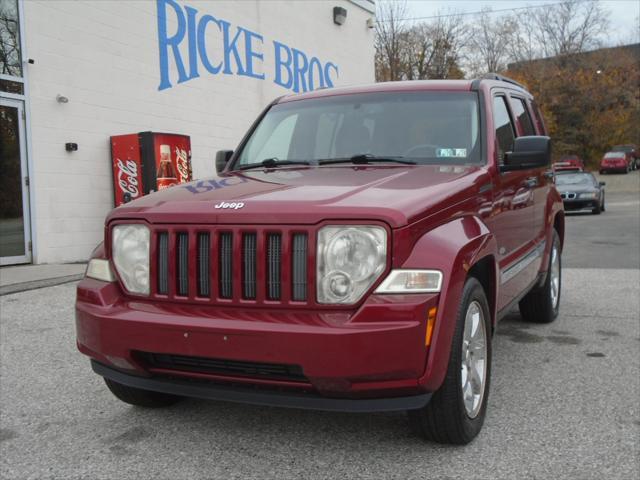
[[127, 168], [148, 161]]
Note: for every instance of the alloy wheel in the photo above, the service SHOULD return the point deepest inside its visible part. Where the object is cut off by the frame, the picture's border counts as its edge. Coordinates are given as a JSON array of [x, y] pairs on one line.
[[555, 277], [474, 359]]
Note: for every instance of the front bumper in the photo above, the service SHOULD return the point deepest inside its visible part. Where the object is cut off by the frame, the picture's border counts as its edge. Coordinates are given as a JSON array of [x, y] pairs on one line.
[[580, 204], [375, 352], [273, 398]]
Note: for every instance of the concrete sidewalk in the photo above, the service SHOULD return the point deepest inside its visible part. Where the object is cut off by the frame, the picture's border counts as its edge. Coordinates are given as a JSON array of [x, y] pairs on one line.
[[28, 277]]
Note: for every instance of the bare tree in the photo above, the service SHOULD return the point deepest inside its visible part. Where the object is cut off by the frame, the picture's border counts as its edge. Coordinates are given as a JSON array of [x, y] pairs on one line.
[[522, 45], [391, 33], [423, 50], [489, 43], [433, 49], [572, 26], [449, 34]]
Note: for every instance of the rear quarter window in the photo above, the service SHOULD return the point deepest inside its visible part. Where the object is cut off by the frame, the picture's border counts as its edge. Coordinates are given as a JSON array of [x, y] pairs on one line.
[[523, 118], [538, 118]]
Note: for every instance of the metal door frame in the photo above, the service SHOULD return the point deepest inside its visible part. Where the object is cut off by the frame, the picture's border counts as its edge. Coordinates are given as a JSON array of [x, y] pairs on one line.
[[19, 105]]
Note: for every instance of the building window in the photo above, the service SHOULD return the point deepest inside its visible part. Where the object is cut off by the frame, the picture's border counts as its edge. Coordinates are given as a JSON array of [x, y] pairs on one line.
[[10, 54]]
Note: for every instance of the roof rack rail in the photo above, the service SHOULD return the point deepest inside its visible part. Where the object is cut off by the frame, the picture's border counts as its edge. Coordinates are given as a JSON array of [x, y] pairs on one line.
[[502, 78]]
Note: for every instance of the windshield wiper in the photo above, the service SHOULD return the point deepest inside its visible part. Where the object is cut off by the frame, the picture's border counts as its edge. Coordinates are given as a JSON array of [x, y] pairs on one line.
[[272, 163], [366, 158]]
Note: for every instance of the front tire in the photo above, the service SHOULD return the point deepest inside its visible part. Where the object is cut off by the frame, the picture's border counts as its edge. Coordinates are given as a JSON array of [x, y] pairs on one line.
[[542, 303], [457, 410], [141, 398]]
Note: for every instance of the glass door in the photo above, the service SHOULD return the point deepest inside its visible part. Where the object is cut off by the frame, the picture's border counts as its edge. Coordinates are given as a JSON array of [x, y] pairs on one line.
[[15, 231]]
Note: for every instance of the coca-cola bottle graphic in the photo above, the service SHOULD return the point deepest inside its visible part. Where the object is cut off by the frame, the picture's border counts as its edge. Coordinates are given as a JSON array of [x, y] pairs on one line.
[[166, 175]]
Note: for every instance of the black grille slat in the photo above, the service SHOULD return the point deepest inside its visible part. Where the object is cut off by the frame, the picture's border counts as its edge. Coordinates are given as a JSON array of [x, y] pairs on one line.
[[274, 259], [182, 247], [163, 263], [226, 265], [299, 267], [249, 266], [204, 287], [223, 367]]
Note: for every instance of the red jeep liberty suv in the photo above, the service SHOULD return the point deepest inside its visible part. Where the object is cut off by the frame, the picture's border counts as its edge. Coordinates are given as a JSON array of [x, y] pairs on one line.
[[354, 254]]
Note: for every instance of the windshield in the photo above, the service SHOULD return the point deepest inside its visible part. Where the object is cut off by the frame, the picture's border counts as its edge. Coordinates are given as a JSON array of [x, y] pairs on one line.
[[614, 155], [623, 148], [584, 179], [421, 127]]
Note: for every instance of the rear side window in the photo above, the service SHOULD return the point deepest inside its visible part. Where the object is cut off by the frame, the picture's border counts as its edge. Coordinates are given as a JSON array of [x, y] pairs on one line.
[[504, 128], [522, 115], [538, 115]]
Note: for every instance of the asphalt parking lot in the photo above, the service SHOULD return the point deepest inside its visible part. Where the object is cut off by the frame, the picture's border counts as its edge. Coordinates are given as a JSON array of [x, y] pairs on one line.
[[563, 402]]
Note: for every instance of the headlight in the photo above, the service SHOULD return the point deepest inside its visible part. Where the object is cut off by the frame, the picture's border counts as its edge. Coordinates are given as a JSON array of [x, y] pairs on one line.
[[589, 195], [411, 281], [130, 249], [350, 260], [99, 269]]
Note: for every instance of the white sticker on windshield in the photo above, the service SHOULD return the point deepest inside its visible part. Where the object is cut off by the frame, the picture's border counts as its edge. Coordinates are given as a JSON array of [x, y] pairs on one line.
[[451, 152]]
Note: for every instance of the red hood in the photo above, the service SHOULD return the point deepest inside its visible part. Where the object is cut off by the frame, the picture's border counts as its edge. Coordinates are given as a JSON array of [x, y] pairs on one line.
[[398, 195]]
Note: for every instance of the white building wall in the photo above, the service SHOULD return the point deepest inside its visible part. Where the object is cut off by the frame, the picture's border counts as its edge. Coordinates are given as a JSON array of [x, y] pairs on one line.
[[104, 56]]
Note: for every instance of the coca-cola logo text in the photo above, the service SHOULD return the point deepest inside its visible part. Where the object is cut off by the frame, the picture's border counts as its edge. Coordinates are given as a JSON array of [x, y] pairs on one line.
[[128, 177], [182, 163]]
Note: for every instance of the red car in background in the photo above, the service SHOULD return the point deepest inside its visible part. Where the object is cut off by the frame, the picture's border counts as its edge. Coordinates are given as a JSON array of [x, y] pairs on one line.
[[616, 162], [569, 163], [631, 150]]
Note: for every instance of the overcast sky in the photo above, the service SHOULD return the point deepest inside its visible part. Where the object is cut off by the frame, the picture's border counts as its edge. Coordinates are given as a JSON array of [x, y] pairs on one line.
[[624, 14]]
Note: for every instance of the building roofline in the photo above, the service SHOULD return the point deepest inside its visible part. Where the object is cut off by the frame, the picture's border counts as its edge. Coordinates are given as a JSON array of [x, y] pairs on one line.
[[368, 5]]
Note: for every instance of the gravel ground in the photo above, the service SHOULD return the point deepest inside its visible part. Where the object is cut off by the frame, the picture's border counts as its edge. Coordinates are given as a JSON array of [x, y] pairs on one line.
[[563, 404]]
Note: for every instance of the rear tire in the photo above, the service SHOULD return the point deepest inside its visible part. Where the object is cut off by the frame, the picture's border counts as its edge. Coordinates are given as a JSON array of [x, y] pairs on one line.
[[141, 398], [457, 410], [542, 303]]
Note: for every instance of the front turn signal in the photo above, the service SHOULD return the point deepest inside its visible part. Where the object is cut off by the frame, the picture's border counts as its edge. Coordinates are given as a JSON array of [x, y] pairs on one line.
[[431, 320]]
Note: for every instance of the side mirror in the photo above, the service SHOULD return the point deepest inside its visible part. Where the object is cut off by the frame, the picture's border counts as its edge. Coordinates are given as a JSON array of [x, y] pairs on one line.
[[528, 152], [222, 158], [602, 184]]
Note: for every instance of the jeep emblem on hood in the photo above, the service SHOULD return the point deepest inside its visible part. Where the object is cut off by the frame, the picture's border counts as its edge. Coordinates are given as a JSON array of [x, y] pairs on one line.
[[232, 205]]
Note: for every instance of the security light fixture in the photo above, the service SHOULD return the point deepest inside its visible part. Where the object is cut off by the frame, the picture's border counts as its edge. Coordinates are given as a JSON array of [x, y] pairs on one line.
[[339, 15], [62, 99]]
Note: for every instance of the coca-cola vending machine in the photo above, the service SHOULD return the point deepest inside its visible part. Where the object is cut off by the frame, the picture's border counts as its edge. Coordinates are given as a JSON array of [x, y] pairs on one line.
[[148, 161]]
